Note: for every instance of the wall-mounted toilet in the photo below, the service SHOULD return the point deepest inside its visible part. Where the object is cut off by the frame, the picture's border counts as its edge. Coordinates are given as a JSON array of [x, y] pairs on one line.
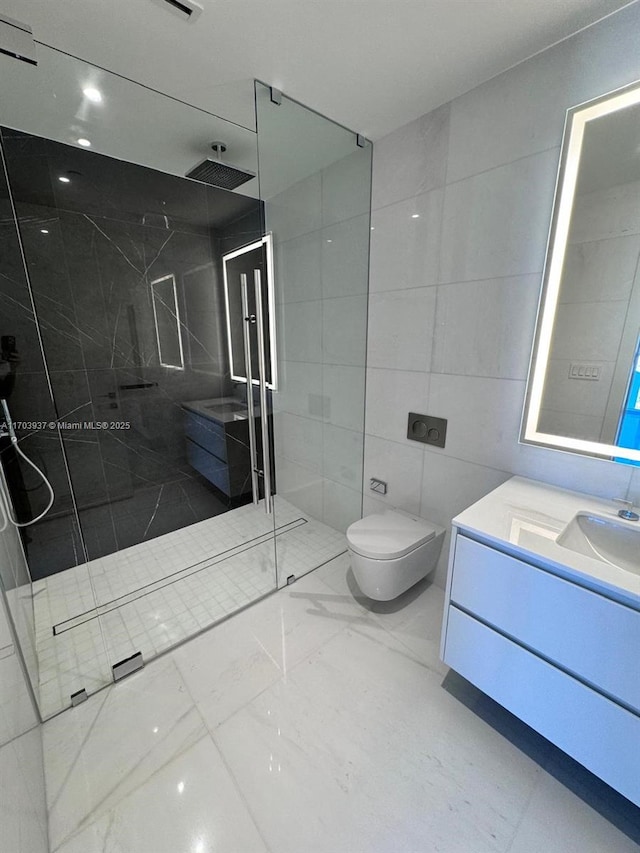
[[392, 551]]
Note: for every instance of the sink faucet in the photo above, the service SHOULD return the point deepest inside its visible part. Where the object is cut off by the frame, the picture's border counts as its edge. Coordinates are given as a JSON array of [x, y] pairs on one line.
[[626, 510]]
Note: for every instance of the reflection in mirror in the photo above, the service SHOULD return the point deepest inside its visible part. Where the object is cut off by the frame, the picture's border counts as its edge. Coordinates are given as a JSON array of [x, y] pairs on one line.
[[166, 319], [583, 392], [255, 256]]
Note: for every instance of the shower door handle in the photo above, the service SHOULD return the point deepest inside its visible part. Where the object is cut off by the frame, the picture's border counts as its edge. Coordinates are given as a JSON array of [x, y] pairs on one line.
[[247, 321], [262, 379]]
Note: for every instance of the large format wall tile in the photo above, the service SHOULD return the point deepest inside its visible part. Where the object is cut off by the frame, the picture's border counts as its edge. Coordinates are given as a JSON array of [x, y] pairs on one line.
[[412, 159], [484, 328], [299, 440], [346, 187], [345, 257], [302, 330], [405, 243], [342, 451], [299, 268], [571, 471], [470, 351], [401, 329], [299, 389], [449, 485], [400, 466], [391, 395], [343, 395], [344, 330], [514, 115], [483, 416], [296, 211], [496, 223], [341, 505]]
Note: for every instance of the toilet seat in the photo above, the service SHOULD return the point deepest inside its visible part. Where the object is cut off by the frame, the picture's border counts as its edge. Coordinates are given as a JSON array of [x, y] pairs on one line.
[[388, 535]]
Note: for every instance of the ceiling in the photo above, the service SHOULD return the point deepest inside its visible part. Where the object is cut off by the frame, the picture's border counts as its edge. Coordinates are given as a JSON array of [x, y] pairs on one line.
[[372, 65]]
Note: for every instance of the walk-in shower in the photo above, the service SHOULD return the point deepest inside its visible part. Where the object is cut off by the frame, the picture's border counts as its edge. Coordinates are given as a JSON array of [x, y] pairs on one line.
[[188, 363]]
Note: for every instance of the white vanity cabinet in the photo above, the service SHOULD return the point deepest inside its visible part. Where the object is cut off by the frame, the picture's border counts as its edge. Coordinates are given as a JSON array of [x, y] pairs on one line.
[[558, 653]]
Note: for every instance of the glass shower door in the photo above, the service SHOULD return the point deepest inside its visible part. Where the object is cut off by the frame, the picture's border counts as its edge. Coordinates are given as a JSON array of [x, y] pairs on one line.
[[315, 185], [154, 534]]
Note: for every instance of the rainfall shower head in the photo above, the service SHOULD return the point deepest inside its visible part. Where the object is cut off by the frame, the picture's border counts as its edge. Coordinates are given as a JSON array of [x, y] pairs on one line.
[[212, 170]]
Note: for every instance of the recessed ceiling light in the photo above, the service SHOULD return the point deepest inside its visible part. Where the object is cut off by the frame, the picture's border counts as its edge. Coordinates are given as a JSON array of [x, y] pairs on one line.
[[92, 94], [329, 241], [43, 231], [415, 216], [64, 180], [84, 142]]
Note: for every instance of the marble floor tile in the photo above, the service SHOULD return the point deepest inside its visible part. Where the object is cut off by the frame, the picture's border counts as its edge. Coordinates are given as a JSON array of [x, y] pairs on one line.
[[366, 752], [225, 669], [317, 721], [291, 625], [557, 821], [23, 823], [190, 805], [103, 750], [415, 618]]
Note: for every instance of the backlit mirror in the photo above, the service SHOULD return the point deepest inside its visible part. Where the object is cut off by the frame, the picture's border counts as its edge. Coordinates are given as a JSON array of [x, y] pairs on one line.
[[584, 384]]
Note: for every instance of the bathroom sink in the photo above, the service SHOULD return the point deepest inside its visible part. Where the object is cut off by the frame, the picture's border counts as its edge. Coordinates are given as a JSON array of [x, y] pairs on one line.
[[614, 542], [227, 408]]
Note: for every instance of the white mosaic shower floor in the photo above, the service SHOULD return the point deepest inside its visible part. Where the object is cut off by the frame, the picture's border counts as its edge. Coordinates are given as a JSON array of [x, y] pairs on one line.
[[154, 595]]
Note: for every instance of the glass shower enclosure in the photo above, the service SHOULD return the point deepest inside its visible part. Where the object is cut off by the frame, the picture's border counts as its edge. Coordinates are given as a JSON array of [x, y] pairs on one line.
[[182, 363]]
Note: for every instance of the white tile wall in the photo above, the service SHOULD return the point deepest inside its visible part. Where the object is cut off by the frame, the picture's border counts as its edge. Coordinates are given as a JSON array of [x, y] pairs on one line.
[[411, 160], [490, 159], [474, 330], [297, 212], [344, 263], [323, 258], [298, 263], [344, 330], [391, 394], [400, 466], [401, 329], [496, 223], [404, 242]]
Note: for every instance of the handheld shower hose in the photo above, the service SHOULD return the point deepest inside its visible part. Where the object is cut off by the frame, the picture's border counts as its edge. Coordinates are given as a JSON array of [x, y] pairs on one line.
[[18, 450]]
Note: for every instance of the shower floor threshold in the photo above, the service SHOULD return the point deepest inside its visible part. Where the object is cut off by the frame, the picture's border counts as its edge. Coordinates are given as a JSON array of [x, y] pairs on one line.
[[103, 609], [155, 595]]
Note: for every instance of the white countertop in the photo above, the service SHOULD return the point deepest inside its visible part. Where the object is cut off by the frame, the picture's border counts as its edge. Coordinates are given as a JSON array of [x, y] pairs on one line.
[[525, 517]]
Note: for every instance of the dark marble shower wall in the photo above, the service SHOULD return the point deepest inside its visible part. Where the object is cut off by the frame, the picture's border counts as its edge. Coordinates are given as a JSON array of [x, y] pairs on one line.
[[93, 245]]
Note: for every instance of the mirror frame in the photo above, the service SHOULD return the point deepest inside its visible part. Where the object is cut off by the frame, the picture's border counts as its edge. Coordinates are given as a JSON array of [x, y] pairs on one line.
[[176, 313], [575, 123]]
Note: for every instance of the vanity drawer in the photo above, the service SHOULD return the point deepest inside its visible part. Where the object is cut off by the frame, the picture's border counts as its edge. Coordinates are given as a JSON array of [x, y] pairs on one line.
[[597, 732], [214, 469], [581, 631], [207, 434]]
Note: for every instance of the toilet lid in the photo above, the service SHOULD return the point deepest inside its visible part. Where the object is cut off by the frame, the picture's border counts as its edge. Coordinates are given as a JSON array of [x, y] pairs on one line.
[[388, 535]]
